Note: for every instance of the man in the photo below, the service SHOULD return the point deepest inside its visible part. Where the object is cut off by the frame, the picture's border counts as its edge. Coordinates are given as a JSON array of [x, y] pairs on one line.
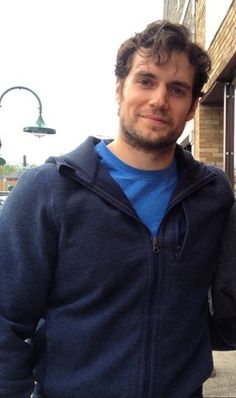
[[114, 245]]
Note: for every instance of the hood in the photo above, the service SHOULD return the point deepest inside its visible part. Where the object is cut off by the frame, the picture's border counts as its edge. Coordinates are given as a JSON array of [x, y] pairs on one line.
[[81, 159], [83, 163]]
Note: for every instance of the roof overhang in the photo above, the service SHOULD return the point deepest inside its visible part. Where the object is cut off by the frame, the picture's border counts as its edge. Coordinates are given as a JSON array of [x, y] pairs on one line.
[[215, 95]]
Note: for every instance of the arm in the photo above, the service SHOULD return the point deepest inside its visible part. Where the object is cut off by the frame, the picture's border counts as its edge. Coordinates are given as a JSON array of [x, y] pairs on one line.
[[223, 291], [27, 254]]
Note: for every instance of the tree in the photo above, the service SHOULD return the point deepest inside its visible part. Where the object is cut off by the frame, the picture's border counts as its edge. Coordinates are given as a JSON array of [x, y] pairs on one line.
[[8, 169]]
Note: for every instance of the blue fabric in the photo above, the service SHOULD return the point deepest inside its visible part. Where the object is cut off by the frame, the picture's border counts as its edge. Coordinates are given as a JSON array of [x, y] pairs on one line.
[[121, 321], [149, 192]]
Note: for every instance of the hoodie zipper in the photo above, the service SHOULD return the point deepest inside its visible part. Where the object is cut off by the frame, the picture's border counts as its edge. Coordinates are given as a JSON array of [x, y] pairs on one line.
[[155, 245], [154, 283]]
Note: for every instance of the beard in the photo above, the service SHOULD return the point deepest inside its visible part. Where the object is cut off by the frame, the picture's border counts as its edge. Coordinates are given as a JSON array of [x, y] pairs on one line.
[[136, 139]]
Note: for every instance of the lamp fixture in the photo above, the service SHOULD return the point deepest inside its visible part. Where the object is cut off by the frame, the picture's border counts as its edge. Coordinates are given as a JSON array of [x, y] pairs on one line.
[[40, 129]]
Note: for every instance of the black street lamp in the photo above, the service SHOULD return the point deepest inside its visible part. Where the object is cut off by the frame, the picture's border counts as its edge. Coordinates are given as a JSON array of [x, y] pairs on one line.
[[40, 128]]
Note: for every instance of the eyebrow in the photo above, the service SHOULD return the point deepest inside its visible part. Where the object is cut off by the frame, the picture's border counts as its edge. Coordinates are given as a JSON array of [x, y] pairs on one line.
[[150, 75], [145, 74], [181, 84]]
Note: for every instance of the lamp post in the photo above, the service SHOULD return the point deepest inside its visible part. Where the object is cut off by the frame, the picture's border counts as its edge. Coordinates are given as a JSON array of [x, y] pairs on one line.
[[40, 129]]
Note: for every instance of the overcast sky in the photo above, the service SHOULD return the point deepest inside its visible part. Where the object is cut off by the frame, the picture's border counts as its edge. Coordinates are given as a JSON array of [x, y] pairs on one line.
[[65, 51]]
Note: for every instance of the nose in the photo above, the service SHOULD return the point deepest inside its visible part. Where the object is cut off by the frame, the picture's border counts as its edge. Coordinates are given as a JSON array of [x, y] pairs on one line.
[[159, 97]]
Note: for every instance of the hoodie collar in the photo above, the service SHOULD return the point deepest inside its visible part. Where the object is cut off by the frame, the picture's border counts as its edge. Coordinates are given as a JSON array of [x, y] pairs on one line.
[[84, 161]]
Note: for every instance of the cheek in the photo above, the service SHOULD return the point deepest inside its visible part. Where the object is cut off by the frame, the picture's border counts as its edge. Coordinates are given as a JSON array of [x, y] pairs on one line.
[[180, 114], [126, 104], [128, 112], [133, 102]]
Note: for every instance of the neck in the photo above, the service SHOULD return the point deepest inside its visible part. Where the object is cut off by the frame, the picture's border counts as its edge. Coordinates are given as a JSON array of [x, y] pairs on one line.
[[157, 159]]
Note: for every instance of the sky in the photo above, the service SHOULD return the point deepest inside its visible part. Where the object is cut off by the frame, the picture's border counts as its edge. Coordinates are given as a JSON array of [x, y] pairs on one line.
[[65, 51]]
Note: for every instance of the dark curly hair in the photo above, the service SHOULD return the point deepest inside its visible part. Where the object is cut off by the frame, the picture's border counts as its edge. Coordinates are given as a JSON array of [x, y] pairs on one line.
[[161, 38]]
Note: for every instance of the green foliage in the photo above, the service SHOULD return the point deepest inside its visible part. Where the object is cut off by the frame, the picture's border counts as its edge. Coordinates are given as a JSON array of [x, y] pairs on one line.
[[8, 169]]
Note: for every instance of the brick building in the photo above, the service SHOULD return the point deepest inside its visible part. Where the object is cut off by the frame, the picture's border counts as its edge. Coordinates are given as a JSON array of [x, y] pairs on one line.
[[9, 181], [211, 137]]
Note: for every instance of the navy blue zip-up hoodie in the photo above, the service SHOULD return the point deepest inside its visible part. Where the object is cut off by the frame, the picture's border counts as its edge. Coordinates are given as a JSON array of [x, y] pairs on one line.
[[125, 315]]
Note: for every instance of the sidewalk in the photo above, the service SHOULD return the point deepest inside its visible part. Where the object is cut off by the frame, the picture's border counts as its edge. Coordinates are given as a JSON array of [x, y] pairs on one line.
[[224, 382]]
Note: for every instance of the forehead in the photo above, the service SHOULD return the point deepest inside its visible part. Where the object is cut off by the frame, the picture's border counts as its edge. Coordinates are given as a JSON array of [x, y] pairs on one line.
[[176, 67]]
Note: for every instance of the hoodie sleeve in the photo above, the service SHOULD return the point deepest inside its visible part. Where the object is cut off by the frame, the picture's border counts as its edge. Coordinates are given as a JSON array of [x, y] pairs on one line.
[[27, 256], [223, 290]]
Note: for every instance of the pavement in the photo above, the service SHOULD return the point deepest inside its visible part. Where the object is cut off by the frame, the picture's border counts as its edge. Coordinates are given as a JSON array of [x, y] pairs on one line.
[[223, 384]]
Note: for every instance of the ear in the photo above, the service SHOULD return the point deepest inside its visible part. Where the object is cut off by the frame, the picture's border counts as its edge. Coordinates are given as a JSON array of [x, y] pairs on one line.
[[118, 91], [192, 110]]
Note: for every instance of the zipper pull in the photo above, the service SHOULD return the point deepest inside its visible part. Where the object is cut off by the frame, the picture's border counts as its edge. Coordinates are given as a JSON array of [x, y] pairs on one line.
[[155, 246]]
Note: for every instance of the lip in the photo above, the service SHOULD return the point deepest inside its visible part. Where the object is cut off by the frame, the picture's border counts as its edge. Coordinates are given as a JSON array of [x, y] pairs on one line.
[[154, 118]]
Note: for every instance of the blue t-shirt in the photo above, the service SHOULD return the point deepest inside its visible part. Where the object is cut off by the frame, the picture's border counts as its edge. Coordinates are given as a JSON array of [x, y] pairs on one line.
[[149, 192]]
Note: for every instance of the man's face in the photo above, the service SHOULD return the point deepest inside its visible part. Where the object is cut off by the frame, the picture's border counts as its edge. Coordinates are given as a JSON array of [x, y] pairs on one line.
[[156, 101]]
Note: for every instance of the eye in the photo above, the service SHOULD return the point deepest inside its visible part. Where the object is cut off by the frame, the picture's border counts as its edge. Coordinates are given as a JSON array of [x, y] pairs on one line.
[[177, 91], [145, 83]]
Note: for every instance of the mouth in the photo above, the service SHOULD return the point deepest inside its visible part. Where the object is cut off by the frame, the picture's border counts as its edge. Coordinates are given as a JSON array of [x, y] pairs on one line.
[[155, 119]]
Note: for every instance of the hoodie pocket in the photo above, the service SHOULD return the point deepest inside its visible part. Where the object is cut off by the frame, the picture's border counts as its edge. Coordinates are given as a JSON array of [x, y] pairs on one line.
[[181, 234], [172, 236]]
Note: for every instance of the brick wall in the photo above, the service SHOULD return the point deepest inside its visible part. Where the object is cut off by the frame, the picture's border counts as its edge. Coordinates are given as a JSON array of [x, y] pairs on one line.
[[3, 185], [200, 24], [209, 135], [200, 15]]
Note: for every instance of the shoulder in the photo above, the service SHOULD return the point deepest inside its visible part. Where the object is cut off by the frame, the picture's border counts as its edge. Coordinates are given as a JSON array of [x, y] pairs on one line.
[[32, 193], [197, 168], [34, 181], [222, 181]]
